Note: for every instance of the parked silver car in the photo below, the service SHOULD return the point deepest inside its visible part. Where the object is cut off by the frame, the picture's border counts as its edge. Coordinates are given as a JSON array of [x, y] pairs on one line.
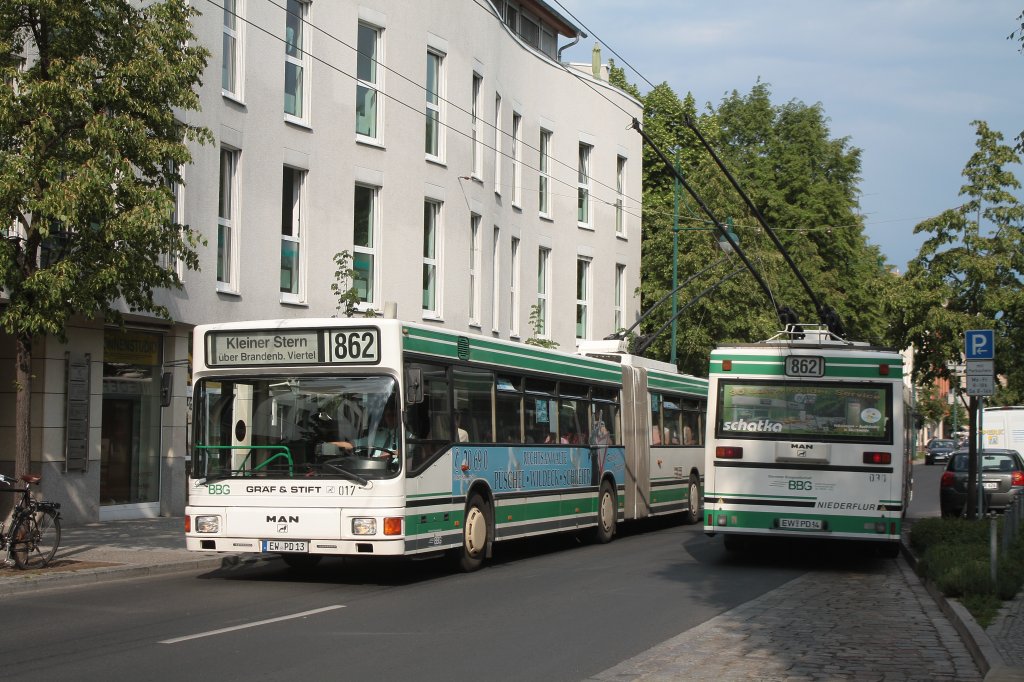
[[1002, 478]]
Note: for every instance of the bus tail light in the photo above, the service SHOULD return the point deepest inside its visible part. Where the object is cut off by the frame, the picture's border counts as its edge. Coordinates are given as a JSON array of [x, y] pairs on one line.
[[188, 523], [728, 452], [883, 370], [947, 479], [392, 525], [726, 365], [877, 458]]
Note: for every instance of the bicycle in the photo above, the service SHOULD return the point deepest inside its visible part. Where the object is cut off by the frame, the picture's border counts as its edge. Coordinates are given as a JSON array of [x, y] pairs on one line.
[[34, 534]]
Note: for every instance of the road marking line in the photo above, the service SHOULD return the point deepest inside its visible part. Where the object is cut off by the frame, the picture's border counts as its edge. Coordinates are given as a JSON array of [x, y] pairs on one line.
[[250, 625]]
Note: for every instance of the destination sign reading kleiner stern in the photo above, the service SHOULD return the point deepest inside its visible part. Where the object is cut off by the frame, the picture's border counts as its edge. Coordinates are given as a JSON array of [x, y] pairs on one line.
[[347, 346]]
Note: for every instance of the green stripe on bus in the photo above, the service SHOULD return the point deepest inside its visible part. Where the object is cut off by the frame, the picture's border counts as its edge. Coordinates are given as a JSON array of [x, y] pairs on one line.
[[759, 520], [441, 344], [714, 494], [687, 384], [849, 368]]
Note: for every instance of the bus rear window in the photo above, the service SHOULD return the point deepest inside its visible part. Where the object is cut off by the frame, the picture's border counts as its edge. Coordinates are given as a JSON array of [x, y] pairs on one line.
[[822, 411]]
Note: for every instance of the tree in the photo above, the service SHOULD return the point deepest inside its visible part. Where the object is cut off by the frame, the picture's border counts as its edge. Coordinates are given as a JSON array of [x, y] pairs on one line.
[[969, 274], [90, 151], [801, 179]]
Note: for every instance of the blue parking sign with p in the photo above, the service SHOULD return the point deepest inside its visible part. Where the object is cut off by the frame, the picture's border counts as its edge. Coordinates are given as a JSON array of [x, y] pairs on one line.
[[980, 344]]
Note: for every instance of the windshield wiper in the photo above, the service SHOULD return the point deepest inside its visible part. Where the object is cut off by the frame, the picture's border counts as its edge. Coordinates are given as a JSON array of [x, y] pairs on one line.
[[345, 472]]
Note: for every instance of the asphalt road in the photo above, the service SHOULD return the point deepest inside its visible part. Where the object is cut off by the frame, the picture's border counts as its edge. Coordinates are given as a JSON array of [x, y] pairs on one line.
[[560, 611]]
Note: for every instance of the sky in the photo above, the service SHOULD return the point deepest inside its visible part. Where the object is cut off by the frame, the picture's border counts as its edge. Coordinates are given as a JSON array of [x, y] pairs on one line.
[[901, 79]]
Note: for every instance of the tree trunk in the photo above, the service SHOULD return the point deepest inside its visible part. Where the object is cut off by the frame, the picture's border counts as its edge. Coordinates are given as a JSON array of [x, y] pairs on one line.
[[23, 405]]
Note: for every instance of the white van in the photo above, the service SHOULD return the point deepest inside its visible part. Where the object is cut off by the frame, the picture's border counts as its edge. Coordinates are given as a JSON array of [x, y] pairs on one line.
[[1003, 427]]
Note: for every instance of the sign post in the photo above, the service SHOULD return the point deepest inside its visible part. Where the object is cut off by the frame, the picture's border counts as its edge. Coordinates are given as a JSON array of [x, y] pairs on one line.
[[980, 353]]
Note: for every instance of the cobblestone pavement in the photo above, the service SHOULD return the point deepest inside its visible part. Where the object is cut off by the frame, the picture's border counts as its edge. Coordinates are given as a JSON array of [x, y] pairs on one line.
[[1007, 633], [860, 626]]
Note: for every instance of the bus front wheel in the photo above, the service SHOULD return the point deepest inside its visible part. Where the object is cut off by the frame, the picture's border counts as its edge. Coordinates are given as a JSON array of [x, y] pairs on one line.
[[606, 513], [475, 534]]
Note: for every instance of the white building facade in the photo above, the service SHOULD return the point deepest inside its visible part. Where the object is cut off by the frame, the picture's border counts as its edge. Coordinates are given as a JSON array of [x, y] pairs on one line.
[[473, 180]]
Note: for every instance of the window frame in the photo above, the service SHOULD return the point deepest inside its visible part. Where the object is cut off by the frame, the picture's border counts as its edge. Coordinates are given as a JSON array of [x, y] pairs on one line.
[[496, 281], [543, 291], [477, 126], [620, 195], [474, 269], [619, 308], [436, 107], [432, 209], [583, 296], [376, 86], [544, 174], [513, 315], [298, 229], [584, 215], [497, 144], [235, 34], [373, 249], [517, 159], [227, 270], [301, 63]]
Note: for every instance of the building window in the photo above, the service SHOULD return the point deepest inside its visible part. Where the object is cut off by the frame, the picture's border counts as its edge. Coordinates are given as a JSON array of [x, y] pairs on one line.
[[496, 280], [368, 82], [620, 295], [478, 126], [167, 261], [227, 238], [231, 59], [431, 258], [474, 269], [543, 256], [544, 188], [583, 183], [513, 321], [582, 298], [364, 243], [296, 61], [517, 159], [292, 231], [434, 145], [620, 196], [497, 144]]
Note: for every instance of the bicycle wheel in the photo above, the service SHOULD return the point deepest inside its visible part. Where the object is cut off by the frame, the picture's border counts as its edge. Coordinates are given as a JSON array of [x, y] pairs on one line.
[[36, 538]]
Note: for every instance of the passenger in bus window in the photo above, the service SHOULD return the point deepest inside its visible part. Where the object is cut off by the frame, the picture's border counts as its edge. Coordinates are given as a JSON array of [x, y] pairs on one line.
[[688, 436], [460, 419]]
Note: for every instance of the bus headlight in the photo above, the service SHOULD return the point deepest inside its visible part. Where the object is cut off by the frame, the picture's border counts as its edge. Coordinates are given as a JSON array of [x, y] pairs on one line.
[[364, 526], [207, 524]]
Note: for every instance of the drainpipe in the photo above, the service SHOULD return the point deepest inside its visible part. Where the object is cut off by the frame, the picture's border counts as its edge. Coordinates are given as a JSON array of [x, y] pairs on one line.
[[565, 47], [596, 61]]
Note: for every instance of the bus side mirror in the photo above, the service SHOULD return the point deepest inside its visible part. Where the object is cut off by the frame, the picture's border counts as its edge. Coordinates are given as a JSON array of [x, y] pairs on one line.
[[414, 385]]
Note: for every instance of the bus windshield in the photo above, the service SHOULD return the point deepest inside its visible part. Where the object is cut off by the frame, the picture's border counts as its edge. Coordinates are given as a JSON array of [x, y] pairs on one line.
[[813, 411], [309, 427]]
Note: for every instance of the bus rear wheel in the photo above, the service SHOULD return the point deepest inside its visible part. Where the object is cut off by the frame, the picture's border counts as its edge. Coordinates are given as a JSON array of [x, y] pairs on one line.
[[475, 534], [693, 497], [606, 513]]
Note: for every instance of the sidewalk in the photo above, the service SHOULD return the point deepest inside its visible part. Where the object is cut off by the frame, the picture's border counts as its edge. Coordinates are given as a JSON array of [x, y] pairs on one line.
[[112, 550], [127, 549]]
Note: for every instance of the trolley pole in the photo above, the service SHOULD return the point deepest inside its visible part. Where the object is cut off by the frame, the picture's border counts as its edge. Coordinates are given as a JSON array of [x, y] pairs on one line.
[[675, 258]]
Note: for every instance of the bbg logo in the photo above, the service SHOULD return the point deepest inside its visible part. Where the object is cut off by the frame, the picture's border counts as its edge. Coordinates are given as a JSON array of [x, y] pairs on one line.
[[800, 485]]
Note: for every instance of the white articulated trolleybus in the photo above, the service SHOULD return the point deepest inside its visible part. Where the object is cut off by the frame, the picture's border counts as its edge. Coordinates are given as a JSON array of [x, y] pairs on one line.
[[808, 437], [376, 437]]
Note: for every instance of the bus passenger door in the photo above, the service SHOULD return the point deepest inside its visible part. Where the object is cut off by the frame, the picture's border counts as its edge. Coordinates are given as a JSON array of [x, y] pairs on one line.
[[636, 441]]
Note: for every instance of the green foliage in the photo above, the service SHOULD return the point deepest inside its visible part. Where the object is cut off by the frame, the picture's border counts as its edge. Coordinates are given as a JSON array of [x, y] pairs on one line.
[[90, 145], [805, 184], [954, 554], [969, 273], [344, 279], [537, 325]]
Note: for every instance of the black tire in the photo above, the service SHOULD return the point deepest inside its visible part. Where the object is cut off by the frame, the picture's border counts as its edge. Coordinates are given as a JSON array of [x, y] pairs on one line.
[[476, 534], [301, 562], [36, 538], [607, 513], [693, 514]]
